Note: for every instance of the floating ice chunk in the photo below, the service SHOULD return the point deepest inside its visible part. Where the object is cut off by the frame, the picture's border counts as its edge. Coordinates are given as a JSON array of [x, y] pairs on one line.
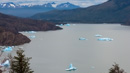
[[7, 49], [60, 25], [33, 36], [98, 35], [82, 38], [67, 24], [57, 25], [71, 68], [105, 39], [5, 64], [30, 31]]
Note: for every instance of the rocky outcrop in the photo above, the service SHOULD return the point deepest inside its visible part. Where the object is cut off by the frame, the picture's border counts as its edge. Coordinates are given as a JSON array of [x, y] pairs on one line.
[[9, 38]]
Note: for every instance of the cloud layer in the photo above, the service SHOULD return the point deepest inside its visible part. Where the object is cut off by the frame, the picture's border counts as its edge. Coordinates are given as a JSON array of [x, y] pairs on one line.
[[82, 3]]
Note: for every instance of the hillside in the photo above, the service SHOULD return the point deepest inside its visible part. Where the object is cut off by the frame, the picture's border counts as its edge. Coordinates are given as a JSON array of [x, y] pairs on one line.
[[20, 24], [112, 11], [10, 27]]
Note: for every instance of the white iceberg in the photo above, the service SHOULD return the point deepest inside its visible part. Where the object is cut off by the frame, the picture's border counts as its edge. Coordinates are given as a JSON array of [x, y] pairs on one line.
[[82, 38], [98, 35], [5, 64], [30, 31], [7, 49], [60, 25], [105, 39], [71, 68]]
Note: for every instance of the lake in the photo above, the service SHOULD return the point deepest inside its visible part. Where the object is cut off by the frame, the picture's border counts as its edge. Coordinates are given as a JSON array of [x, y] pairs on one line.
[[53, 51]]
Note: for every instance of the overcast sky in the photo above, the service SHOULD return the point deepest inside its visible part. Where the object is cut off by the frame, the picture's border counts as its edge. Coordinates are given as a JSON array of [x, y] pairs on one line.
[[82, 3]]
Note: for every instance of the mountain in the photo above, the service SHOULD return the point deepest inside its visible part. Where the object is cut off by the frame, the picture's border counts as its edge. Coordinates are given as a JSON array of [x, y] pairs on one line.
[[9, 5], [29, 10], [112, 11], [10, 27], [24, 10], [25, 24], [66, 6]]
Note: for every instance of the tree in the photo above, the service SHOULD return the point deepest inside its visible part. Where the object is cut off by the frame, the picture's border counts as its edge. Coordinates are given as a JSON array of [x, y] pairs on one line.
[[20, 63], [116, 69]]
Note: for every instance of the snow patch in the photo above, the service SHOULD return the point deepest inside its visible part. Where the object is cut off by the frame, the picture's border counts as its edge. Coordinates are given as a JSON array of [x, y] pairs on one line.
[[12, 5]]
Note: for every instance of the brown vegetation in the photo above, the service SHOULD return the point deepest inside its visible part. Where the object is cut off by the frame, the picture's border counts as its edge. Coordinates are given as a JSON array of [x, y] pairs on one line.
[[10, 26]]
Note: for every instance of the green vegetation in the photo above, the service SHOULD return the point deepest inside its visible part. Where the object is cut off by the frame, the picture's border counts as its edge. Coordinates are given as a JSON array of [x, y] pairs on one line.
[[116, 69], [20, 63]]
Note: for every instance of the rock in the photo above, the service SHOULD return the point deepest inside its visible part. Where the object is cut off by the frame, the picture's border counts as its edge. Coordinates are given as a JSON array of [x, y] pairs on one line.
[[8, 38]]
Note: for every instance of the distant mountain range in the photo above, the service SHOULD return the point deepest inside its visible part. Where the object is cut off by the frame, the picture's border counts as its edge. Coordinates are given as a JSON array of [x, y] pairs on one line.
[[29, 10], [112, 11]]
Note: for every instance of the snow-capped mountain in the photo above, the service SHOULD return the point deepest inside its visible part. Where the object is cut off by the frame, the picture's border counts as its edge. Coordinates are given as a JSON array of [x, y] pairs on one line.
[[22, 10], [47, 5], [66, 6], [54, 4], [9, 5]]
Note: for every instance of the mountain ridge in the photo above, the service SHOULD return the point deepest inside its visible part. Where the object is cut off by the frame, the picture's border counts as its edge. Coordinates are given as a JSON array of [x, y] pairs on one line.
[[111, 11], [29, 10]]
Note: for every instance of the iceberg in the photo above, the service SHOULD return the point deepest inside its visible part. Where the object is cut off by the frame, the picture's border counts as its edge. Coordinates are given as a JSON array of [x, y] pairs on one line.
[[81, 38], [30, 31], [5, 64], [7, 49], [105, 39], [67, 24], [57, 25], [98, 35], [33, 36], [60, 25], [71, 68]]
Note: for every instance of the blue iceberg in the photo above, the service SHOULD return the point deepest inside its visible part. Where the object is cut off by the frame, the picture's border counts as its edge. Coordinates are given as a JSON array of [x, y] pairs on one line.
[[105, 39], [81, 38], [71, 68], [5, 64], [7, 49], [67, 24], [98, 35]]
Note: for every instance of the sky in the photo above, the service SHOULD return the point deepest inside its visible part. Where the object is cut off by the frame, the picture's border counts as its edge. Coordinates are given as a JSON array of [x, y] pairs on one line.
[[81, 3]]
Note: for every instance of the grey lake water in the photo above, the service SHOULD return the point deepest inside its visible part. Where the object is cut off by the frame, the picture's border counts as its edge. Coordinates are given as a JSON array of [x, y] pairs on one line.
[[53, 51]]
